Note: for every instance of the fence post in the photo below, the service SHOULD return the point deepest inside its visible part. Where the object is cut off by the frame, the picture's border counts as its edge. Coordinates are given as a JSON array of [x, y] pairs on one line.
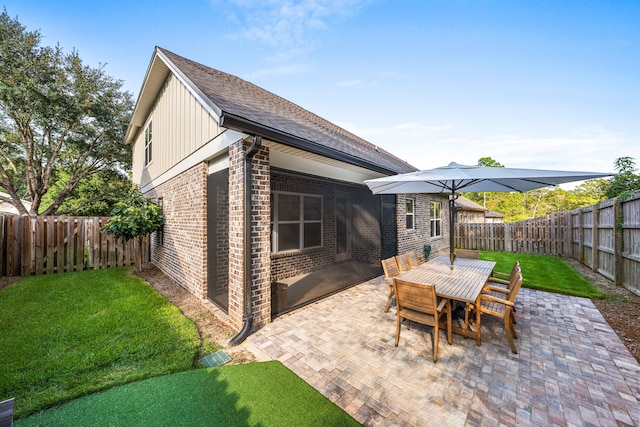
[[618, 242], [595, 218]]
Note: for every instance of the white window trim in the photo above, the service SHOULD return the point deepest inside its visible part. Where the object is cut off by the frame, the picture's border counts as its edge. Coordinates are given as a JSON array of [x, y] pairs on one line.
[[148, 144], [412, 214], [435, 220], [302, 221]]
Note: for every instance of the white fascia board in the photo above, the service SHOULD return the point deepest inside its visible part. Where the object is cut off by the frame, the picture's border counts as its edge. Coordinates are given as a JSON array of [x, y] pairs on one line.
[[212, 149]]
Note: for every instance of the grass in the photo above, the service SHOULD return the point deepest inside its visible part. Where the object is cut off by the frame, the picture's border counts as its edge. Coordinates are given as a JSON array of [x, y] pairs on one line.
[[546, 273], [96, 347], [264, 394], [68, 335]]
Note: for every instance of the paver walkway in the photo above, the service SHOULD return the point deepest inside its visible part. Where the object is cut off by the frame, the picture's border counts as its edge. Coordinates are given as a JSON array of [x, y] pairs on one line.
[[571, 368]]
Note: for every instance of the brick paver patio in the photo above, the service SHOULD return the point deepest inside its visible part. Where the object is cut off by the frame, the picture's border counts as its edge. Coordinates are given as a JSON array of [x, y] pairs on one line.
[[571, 368]]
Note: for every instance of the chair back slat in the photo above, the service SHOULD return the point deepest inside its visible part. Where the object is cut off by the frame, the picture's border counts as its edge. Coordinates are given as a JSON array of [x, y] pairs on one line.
[[403, 263], [514, 287], [414, 261], [467, 253], [390, 268], [416, 296]]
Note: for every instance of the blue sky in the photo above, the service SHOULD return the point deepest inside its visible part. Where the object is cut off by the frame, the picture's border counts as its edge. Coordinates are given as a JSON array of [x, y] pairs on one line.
[[541, 84]]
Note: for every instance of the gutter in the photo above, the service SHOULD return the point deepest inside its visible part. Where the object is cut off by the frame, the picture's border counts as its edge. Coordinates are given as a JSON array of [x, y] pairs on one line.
[[247, 316], [241, 124]]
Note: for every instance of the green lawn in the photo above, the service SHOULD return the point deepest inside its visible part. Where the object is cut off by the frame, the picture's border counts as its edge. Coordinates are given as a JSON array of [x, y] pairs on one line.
[[68, 335], [545, 273], [256, 394], [74, 337]]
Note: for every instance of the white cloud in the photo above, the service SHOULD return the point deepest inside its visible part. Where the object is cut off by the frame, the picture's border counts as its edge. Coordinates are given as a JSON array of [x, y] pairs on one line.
[[285, 24], [427, 146], [351, 83]]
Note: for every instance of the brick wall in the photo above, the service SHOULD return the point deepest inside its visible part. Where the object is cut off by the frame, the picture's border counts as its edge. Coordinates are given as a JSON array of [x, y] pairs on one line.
[[180, 251], [365, 231], [292, 263], [260, 237], [421, 234]]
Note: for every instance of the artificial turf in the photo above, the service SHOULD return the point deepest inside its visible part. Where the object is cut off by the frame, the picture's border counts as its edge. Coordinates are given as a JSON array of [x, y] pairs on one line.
[[256, 394]]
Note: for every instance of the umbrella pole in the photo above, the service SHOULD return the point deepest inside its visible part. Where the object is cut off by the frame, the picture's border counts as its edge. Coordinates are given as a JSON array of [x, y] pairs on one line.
[[452, 218]]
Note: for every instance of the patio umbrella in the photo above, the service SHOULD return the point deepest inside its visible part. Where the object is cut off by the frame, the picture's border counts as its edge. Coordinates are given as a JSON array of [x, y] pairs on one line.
[[456, 178]]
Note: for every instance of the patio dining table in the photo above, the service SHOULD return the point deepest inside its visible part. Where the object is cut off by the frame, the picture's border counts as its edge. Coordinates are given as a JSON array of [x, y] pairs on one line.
[[463, 284]]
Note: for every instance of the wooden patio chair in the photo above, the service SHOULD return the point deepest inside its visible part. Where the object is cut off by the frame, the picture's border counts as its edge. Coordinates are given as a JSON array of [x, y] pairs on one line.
[[497, 286], [417, 302], [502, 308], [391, 270], [467, 253], [403, 263], [414, 261], [505, 278]]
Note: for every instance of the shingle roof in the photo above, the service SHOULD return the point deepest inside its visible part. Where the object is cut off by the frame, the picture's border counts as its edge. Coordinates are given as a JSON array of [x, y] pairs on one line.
[[234, 96], [468, 205]]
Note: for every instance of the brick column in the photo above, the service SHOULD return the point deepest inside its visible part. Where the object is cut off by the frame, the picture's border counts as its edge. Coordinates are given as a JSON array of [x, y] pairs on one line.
[[260, 237]]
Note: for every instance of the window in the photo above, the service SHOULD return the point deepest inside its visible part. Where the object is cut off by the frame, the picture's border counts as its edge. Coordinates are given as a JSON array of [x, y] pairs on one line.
[[148, 145], [296, 221], [436, 220], [410, 213]]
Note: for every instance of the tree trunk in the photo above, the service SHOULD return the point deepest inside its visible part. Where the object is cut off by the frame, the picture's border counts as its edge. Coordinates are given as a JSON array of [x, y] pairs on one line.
[[138, 248]]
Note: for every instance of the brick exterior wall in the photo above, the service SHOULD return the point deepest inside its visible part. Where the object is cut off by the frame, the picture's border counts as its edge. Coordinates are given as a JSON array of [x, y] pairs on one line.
[[180, 251], [415, 239], [260, 237]]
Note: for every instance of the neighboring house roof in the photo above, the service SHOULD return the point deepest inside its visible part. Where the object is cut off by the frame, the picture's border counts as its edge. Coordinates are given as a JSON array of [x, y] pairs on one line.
[[8, 208], [245, 107], [493, 214], [462, 203]]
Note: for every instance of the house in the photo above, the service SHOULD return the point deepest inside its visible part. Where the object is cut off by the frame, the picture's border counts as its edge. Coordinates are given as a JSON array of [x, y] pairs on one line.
[[471, 212], [7, 208], [257, 191]]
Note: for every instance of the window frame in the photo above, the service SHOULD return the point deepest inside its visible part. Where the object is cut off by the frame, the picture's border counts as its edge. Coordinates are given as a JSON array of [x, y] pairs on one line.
[[148, 144], [411, 214], [435, 221], [276, 222]]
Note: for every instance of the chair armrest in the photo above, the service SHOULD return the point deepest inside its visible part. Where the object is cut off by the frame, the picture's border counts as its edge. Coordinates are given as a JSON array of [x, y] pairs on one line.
[[485, 297], [490, 288], [500, 273], [496, 280], [444, 302]]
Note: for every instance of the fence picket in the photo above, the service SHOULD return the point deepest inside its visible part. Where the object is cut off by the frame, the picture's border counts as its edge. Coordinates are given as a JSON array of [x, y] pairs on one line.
[[48, 245], [596, 236]]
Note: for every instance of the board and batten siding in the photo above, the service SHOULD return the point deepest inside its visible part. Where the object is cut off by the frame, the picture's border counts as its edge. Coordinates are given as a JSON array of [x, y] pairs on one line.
[[180, 127]]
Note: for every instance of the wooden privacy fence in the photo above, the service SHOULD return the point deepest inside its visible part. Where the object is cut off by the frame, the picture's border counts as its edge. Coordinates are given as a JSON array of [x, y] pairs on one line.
[[56, 244], [604, 237]]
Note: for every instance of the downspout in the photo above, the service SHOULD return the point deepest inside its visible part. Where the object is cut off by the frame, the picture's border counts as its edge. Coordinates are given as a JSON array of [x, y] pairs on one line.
[[247, 316]]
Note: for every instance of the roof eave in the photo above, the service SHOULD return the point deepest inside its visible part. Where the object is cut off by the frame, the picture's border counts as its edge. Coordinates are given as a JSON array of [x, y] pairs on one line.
[[241, 124]]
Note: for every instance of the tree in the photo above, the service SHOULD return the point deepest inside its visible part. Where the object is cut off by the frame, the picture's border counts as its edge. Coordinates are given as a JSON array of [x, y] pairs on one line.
[[133, 218], [482, 198], [61, 122], [626, 181], [489, 162], [540, 202]]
